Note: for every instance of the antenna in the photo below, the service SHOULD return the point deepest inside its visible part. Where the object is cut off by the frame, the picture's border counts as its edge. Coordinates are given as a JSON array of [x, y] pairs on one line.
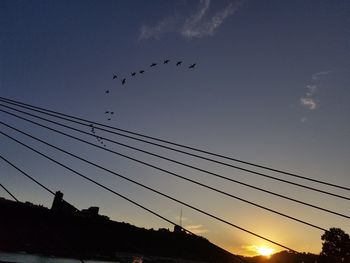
[[181, 217]]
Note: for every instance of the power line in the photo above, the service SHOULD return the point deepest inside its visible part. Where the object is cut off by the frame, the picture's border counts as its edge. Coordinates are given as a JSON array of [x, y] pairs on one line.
[[3, 187], [149, 188], [177, 175], [46, 111], [27, 175], [172, 160]]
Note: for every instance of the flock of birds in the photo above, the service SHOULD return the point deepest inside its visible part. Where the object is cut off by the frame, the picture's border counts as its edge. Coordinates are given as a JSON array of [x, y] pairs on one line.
[[109, 114], [142, 71], [98, 138]]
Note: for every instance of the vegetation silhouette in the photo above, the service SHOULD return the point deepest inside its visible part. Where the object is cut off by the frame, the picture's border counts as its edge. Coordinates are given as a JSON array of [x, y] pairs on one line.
[[336, 245]]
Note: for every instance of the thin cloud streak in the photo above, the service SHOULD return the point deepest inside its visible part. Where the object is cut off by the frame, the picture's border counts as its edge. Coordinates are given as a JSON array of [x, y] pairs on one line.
[[308, 100], [195, 19], [196, 229], [167, 25], [316, 76], [309, 103], [199, 24]]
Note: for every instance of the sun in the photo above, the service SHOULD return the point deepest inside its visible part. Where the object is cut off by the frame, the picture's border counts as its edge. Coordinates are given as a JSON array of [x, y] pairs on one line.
[[265, 251]]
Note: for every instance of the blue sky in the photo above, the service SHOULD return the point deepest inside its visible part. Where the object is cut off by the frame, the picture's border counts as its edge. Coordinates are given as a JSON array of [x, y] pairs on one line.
[[271, 86]]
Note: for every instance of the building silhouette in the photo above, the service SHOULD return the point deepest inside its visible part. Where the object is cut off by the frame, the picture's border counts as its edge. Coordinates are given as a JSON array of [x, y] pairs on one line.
[[61, 206]]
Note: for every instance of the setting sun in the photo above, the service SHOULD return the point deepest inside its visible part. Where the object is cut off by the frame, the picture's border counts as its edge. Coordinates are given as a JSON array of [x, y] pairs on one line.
[[265, 251]]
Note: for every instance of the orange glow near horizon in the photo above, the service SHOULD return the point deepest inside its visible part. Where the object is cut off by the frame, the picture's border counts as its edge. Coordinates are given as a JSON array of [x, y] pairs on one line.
[[255, 250], [265, 251]]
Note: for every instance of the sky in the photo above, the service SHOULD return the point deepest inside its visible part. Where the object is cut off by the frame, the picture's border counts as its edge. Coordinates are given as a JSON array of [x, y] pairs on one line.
[[271, 86]]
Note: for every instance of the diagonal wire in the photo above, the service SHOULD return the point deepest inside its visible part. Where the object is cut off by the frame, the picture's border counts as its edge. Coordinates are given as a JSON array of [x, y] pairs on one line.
[[174, 161], [177, 175], [27, 175], [217, 190], [149, 188], [59, 115], [3, 187], [214, 189]]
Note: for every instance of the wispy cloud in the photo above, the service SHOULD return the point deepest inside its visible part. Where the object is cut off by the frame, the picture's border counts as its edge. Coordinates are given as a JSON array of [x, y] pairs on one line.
[[308, 100], [196, 229], [309, 103], [195, 19], [311, 90], [197, 25], [317, 75], [167, 25]]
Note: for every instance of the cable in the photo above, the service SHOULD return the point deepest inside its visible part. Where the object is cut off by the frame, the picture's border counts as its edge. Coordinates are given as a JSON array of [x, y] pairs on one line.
[[45, 111], [149, 188], [217, 190], [27, 175], [85, 177], [177, 175], [174, 161], [30, 177], [208, 187], [3, 187]]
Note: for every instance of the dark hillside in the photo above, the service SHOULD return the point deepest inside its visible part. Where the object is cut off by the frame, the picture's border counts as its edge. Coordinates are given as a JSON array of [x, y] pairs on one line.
[[36, 229]]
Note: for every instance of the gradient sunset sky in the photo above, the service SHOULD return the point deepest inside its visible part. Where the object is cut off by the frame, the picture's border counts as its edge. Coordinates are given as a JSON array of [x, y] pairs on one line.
[[271, 86]]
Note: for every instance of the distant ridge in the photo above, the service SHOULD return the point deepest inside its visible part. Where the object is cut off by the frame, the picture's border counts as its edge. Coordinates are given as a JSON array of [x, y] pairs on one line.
[[37, 229]]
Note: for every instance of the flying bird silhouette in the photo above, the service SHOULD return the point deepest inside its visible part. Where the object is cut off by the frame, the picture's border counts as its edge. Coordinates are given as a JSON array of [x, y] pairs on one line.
[[166, 61], [141, 71], [123, 81], [153, 64], [178, 63], [133, 74], [115, 76], [192, 66]]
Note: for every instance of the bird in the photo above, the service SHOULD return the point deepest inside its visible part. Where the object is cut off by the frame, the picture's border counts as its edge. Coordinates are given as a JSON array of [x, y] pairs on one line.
[[141, 71], [178, 63], [115, 76], [107, 91], [133, 73], [153, 64], [192, 66], [166, 61], [123, 81]]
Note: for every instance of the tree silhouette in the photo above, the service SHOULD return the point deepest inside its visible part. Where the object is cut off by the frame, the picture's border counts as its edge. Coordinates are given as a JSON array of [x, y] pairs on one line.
[[336, 245]]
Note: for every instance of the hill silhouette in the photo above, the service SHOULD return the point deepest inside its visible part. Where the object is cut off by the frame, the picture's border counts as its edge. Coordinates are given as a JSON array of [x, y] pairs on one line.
[[288, 257], [66, 231]]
